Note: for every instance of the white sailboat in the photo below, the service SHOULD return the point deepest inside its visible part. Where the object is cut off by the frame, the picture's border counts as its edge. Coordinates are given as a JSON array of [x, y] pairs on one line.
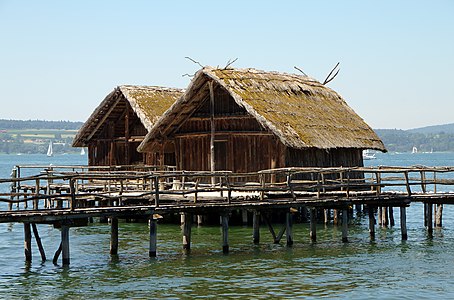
[[82, 152], [50, 151], [414, 150]]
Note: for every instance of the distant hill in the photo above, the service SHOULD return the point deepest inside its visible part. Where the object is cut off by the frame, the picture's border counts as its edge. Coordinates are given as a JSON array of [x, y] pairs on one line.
[[439, 138], [38, 124], [446, 128]]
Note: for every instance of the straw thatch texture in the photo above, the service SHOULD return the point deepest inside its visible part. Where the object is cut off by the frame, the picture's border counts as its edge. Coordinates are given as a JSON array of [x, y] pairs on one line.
[[297, 109], [148, 103]]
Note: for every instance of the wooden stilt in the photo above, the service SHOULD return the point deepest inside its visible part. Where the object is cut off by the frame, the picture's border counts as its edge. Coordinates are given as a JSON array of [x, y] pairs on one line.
[[289, 228], [225, 234], [385, 219], [153, 236], [313, 225], [345, 225], [244, 216], [371, 223], [65, 244], [439, 215], [403, 223], [256, 227], [38, 242], [27, 242], [425, 214], [379, 216], [335, 216], [391, 216], [187, 225], [327, 214], [113, 236], [57, 254], [429, 219], [199, 220]]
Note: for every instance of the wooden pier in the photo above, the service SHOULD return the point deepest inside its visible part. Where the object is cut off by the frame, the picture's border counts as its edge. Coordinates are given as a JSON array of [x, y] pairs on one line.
[[68, 196]]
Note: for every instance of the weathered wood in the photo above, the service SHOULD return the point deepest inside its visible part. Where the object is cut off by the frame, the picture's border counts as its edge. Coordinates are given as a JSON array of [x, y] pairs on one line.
[[65, 245], [439, 215], [27, 242], [113, 236], [256, 227], [429, 219], [153, 236], [57, 254], [38, 242], [391, 216], [327, 213], [225, 233], [289, 228], [345, 225], [72, 190], [371, 222], [244, 216], [403, 222], [313, 225], [213, 131], [336, 217], [187, 226]]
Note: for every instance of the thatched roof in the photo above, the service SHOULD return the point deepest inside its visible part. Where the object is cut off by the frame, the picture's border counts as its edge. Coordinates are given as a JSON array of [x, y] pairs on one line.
[[297, 109], [148, 102]]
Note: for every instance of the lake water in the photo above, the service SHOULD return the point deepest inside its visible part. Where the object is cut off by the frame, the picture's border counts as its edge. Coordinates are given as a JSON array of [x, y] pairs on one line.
[[386, 268]]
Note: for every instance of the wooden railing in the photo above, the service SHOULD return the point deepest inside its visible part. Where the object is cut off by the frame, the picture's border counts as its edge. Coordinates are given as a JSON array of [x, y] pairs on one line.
[[71, 187]]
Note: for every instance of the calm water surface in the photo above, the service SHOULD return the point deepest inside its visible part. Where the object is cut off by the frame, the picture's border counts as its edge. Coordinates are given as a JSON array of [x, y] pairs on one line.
[[387, 268]]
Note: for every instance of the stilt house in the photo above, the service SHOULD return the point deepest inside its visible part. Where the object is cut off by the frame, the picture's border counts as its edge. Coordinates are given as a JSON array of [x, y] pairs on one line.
[[249, 120], [119, 124]]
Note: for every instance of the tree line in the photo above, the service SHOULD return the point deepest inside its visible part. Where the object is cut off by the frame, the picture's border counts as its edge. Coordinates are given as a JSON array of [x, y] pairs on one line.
[[38, 124]]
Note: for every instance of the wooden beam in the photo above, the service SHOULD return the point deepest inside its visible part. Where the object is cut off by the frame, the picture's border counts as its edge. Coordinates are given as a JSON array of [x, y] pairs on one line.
[[225, 233], [313, 225], [345, 225], [187, 225], [153, 236], [371, 222], [289, 228], [256, 227], [223, 133], [38, 242], [113, 236], [65, 244], [403, 223], [27, 242]]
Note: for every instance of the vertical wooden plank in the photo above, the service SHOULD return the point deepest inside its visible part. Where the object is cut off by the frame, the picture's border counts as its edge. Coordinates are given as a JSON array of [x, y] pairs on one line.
[[256, 227], [113, 236], [371, 222], [429, 219], [127, 117], [213, 130], [225, 233], [153, 236], [38, 242], [391, 216], [345, 225], [439, 215], [72, 190], [289, 228], [156, 188], [27, 242], [313, 225], [187, 225], [335, 216], [403, 223], [65, 244], [327, 213]]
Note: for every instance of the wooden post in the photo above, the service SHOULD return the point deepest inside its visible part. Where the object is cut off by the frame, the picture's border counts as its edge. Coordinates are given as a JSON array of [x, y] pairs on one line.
[[72, 190], [327, 213], [429, 219], [345, 225], [153, 236], [425, 214], [127, 117], [439, 215], [113, 236], [38, 242], [36, 201], [403, 223], [187, 225], [289, 228], [244, 216], [225, 233], [213, 130], [14, 189], [27, 242], [199, 220], [371, 222], [65, 244], [156, 189], [335, 216], [313, 225], [391, 216], [57, 254], [256, 227]]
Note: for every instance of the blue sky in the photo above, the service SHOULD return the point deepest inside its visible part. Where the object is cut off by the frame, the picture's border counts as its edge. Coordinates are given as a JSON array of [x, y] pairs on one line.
[[59, 59]]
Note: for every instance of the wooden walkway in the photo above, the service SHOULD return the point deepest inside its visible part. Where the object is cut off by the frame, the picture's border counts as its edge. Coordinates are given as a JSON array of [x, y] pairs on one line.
[[67, 195]]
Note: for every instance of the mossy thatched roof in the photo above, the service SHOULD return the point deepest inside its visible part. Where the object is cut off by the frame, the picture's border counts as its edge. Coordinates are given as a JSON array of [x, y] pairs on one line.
[[299, 110], [147, 102]]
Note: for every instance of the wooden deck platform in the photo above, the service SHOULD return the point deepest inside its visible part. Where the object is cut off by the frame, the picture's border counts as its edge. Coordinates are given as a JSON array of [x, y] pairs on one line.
[[65, 195]]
